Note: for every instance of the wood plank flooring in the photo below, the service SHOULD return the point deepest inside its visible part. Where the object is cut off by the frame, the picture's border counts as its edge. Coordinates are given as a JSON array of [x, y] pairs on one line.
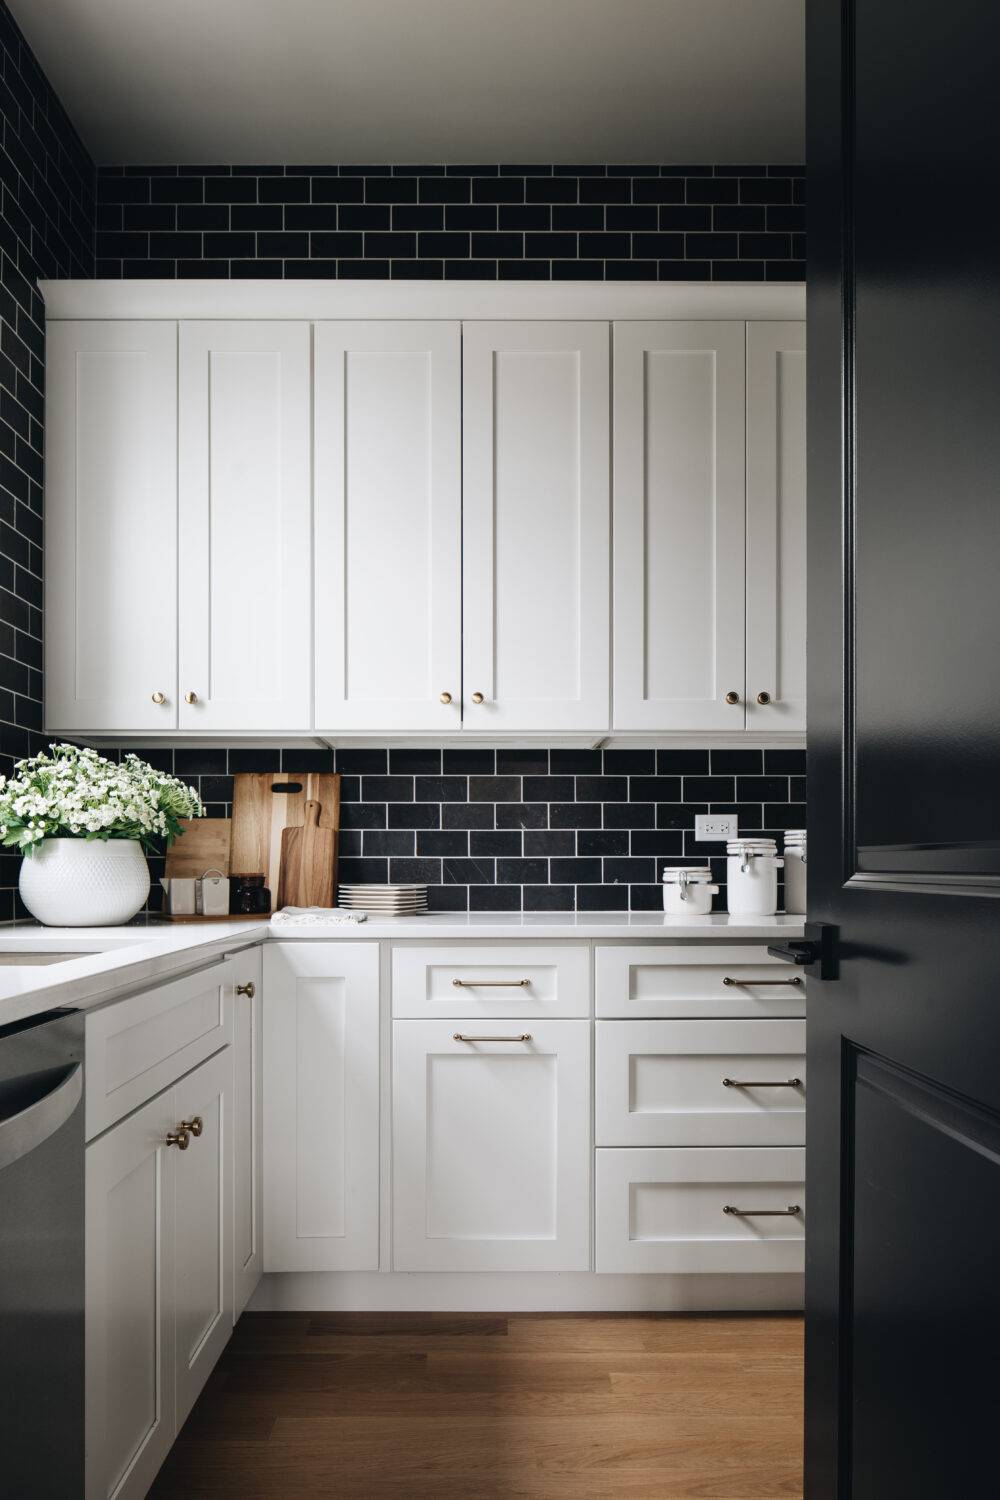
[[466, 1406]]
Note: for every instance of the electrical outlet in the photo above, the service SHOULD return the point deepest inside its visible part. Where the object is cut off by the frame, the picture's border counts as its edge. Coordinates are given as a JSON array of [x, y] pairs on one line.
[[712, 826]]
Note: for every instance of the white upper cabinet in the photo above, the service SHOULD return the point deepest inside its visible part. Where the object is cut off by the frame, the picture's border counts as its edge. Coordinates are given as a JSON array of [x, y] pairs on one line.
[[679, 518], [110, 526], [244, 529], [388, 569], [535, 526], [776, 526]]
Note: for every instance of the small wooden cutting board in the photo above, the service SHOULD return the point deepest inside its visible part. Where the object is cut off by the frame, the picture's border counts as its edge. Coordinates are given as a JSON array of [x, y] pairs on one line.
[[204, 845], [307, 863]]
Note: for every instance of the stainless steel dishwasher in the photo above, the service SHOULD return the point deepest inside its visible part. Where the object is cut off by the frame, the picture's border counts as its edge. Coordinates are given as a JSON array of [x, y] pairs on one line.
[[42, 1257]]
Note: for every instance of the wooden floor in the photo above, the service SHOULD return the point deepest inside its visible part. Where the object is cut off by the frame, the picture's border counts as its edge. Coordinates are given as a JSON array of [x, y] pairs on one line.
[[461, 1406]]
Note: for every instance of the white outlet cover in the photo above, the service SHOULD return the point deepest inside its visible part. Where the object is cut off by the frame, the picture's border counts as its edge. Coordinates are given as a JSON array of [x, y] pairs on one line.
[[713, 827]]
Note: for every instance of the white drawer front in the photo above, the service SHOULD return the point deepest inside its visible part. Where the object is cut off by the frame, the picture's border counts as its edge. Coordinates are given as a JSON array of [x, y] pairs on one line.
[[138, 1046], [672, 980], [664, 1210], [664, 1083], [474, 979]]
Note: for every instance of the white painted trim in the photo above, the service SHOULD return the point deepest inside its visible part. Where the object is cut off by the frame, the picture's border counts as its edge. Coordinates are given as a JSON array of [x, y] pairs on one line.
[[608, 301], [579, 1291]]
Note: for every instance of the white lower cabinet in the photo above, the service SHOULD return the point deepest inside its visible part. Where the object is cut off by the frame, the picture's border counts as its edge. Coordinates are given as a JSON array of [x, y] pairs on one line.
[[321, 1106], [248, 1081], [158, 1277], [716, 1210], [491, 1145]]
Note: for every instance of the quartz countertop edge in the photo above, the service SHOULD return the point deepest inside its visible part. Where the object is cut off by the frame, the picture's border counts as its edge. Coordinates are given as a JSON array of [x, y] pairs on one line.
[[132, 958]]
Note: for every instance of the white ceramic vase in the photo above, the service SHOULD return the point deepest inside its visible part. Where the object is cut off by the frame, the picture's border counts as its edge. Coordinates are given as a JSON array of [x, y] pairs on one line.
[[84, 882]]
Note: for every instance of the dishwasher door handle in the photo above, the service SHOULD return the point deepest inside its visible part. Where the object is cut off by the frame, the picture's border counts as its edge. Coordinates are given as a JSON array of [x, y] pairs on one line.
[[32, 1126]]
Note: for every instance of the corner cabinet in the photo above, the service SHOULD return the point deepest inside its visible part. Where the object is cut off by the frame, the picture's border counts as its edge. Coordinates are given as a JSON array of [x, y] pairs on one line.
[[434, 512]]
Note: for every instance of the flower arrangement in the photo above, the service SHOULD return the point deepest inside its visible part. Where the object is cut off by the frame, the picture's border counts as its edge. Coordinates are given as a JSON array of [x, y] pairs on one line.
[[74, 793]]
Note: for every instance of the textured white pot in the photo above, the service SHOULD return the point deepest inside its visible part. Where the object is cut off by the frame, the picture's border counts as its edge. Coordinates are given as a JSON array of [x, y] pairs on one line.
[[85, 882]]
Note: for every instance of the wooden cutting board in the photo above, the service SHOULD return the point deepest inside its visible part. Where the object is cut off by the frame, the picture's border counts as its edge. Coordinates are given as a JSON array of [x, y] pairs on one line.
[[204, 845], [308, 857], [264, 805]]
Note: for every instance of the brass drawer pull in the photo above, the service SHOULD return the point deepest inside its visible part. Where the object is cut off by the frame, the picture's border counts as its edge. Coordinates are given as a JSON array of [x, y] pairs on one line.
[[763, 1213], [194, 1126], [459, 1036], [755, 982], [179, 1138], [249, 989], [762, 1083], [483, 984]]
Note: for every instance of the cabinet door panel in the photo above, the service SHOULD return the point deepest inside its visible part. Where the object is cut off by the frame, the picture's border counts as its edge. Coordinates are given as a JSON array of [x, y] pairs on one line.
[[202, 1219], [247, 968], [776, 525], [491, 1155], [321, 1106], [111, 526], [679, 519], [244, 526], [388, 566], [535, 526], [130, 1407]]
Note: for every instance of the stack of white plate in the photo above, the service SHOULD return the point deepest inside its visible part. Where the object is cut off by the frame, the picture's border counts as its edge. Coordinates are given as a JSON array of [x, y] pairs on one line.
[[385, 900]]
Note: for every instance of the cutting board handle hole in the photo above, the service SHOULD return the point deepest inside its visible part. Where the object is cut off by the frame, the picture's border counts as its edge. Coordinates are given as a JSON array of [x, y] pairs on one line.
[[290, 788]]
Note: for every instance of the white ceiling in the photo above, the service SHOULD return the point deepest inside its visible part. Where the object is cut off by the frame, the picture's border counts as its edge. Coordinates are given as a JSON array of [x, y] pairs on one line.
[[357, 81]]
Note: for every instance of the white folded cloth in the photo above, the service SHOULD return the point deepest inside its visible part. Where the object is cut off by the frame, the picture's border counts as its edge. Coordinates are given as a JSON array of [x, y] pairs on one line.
[[316, 916]]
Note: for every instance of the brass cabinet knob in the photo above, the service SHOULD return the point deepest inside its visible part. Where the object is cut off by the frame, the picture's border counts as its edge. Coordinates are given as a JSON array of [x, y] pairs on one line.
[[732, 697], [159, 697], [477, 697], [190, 697], [179, 1138], [195, 1125], [445, 698], [763, 699], [249, 989]]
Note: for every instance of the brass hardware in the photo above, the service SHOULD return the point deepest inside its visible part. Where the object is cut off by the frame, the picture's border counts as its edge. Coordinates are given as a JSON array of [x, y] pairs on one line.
[[762, 1083], [249, 989], [459, 1036], [477, 697], [490, 984], [763, 1213], [159, 697], [445, 698], [195, 1126], [757, 982], [190, 697], [763, 699], [179, 1138], [732, 697]]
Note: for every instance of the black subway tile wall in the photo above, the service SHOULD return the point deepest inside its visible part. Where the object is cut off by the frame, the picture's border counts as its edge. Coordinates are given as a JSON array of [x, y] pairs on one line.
[[525, 830], [46, 229], [564, 223]]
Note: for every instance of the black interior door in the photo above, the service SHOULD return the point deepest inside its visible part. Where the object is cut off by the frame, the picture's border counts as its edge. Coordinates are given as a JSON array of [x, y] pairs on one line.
[[903, 1160]]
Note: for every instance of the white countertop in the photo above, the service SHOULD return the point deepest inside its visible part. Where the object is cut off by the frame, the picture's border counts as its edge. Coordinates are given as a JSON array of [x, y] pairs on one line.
[[640, 926], [116, 960]]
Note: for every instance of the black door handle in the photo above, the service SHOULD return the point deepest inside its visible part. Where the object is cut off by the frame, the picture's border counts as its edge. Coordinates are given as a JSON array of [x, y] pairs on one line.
[[819, 946]]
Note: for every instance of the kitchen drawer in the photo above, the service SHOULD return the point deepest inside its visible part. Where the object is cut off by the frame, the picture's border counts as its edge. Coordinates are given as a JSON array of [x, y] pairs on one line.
[[476, 979], [663, 1210], [663, 1083], [136, 1047], [674, 980]]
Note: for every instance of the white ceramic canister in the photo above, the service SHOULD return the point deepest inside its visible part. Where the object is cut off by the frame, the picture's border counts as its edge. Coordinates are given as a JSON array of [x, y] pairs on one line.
[[688, 890], [795, 871], [752, 877]]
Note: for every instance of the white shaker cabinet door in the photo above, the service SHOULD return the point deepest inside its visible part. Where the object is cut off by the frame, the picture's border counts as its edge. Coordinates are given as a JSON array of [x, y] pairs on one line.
[[203, 1252], [388, 567], [536, 526], [111, 526], [491, 1145], [679, 520], [321, 1106], [244, 526], [776, 526], [130, 1407]]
